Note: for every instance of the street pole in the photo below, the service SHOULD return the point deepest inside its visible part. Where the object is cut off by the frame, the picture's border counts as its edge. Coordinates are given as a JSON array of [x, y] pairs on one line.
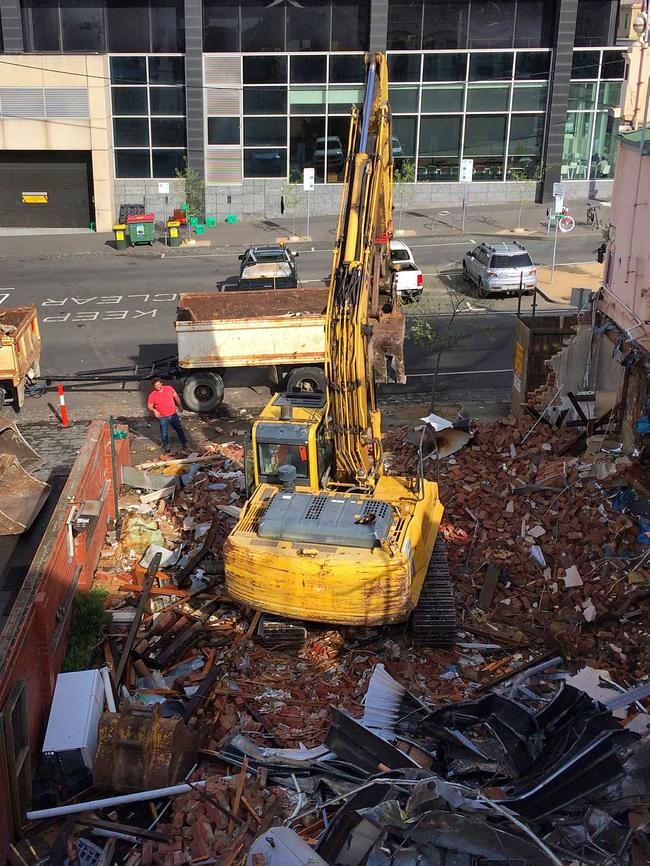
[[464, 205], [557, 223], [308, 197]]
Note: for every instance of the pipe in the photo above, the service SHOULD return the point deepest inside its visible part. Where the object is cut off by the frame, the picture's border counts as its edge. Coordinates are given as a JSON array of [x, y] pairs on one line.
[[108, 689], [109, 802]]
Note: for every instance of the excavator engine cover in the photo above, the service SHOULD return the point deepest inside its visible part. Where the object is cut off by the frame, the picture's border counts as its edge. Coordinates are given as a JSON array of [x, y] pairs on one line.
[[139, 750]]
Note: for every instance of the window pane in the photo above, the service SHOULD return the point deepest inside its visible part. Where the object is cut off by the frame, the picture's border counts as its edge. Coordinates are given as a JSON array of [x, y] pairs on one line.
[[404, 140], [338, 130], [445, 67], [491, 24], [341, 99], [582, 96], [165, 162], [45, 25], [489, 67], [127, 26], [82, 23], [592, 24], [486, 97], [307, 100], [577, 139], [613, 65], [308, 70], [166, 70], [168, 25], [585, 64], [223, 130], [347, 68], [533, 65], [405, 25], [609, 95], [485, 136], [265, 70], [130, 100], [534, 24], [265, 163], [308, 26], [131, 132], [439, 149], [307, 148], [128, 70], [262, 29], [350, 26], [168, 131], [265, 131], [443, 97], [403, 99], [445, 24], [132, 163], [404, 67], [167, 100], [529, 97], [265, 100], [220, 25], [525, 149], [604, 149]]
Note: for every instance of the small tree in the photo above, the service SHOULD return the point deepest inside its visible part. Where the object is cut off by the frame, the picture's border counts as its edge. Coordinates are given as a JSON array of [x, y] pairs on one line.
[[402, 175], [194, 189], [291, 195], [522, 177]]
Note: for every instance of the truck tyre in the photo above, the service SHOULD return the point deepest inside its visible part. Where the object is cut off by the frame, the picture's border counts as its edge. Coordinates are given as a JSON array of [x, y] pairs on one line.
[[203, 392], [306, 379]]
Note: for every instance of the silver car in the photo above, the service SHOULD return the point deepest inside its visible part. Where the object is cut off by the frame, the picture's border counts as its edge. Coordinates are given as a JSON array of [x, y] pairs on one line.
[[500, 267]]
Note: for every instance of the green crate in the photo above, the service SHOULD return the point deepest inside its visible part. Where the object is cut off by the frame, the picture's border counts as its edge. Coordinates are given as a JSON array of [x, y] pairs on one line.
[[211, 221], [231, 218], [199, 229], [194, 221]]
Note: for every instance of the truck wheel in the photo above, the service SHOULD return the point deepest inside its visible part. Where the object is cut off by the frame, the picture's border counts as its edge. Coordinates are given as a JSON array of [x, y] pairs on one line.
[[306, 379], [203, 392]]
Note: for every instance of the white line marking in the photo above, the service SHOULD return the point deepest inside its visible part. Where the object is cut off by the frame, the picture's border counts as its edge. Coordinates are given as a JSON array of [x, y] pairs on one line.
[[457, 373]]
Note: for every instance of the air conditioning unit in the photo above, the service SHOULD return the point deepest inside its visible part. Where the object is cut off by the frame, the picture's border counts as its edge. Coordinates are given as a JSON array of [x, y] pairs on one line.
[[71, 735]]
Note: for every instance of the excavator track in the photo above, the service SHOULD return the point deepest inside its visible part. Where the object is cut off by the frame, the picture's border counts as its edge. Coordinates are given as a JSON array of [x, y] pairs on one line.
[[434, 618]]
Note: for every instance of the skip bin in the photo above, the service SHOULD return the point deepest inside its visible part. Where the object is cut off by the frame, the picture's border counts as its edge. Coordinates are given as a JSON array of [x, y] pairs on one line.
[[142, 228]]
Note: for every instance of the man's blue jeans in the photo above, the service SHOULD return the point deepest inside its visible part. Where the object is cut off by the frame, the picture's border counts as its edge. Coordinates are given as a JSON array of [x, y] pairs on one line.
[[174, 422]]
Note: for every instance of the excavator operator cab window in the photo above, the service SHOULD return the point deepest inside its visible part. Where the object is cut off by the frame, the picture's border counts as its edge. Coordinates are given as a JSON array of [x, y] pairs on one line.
[[272, 455]]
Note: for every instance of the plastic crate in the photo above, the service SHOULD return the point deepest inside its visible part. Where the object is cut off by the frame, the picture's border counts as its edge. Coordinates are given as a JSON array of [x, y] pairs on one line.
[[199, 229], [89, 853], [127, 210], [211, 221]]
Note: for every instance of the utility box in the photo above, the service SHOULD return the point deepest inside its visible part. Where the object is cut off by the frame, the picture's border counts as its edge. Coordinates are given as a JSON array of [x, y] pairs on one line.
[[73, 725]]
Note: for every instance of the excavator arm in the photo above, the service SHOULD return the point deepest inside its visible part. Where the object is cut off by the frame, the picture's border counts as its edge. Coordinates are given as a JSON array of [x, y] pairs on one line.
[[360, 271]]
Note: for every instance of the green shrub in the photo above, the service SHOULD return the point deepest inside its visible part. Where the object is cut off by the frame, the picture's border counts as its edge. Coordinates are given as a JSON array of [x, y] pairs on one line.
[[89, 624]]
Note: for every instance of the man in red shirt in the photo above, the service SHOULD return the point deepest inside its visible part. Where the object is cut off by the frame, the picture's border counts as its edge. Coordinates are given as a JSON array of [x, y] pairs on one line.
[[165, 404]]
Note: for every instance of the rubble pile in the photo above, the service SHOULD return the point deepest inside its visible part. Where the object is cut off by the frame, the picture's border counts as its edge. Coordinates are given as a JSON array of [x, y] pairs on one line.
[[525, 744]]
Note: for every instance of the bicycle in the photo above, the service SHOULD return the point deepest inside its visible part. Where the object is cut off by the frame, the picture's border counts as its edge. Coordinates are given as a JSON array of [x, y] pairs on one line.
[[593, 215]]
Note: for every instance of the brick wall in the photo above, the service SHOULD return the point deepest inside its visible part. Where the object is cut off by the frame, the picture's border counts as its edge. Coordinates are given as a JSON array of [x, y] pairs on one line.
[[34, 639]]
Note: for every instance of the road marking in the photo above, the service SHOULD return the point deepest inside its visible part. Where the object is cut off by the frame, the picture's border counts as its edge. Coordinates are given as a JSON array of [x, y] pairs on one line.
[[4, 296], [458, 373]]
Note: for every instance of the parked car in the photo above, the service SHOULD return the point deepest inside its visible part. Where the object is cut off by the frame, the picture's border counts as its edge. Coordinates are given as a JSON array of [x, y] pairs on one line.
[[334, 149], [408, 275], [271, 266], [500, 267]]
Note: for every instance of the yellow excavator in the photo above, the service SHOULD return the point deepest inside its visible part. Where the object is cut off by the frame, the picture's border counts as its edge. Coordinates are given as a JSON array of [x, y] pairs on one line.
[[326, 535]]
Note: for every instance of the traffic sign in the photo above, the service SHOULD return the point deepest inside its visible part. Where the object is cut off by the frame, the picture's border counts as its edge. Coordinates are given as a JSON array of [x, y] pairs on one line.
[[466, 170], [559, 189], [308, 179], [566, 224]]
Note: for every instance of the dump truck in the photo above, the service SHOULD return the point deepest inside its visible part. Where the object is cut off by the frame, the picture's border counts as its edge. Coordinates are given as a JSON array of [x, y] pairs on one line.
[[282, 330], [20, 353]]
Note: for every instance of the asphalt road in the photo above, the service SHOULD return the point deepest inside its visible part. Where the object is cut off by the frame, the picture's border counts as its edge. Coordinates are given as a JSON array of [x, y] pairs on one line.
[[99, 312]]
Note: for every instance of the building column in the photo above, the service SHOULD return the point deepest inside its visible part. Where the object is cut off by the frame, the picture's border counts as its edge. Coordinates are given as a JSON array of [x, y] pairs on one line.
[[378, 25], [12, 26], [565, 31], [194, 85]]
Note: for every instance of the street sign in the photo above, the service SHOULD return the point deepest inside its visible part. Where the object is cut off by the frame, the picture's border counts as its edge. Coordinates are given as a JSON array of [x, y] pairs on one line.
[[466, 170], [559, 189], [559, 204], [308, 179], [163, 188]]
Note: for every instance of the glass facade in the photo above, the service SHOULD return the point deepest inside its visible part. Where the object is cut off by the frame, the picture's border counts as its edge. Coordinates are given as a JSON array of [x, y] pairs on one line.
[[589, 149], [148, 107]]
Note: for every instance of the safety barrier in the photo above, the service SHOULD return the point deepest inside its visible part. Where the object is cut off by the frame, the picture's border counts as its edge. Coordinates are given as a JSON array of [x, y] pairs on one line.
[[33, 640]]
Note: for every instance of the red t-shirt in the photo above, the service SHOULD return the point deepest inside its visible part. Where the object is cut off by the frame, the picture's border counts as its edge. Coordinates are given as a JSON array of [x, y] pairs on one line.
[[163, 401]]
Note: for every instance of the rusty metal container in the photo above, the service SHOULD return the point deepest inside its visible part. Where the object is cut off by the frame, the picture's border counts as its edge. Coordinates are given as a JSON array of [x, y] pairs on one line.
[[139, 750]]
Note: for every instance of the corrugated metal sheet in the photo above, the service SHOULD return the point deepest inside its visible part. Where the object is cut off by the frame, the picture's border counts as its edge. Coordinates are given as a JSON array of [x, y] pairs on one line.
[[223, 69], [223, 165], [223, 103], [41, 103], [66, 102], [22, 102]]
